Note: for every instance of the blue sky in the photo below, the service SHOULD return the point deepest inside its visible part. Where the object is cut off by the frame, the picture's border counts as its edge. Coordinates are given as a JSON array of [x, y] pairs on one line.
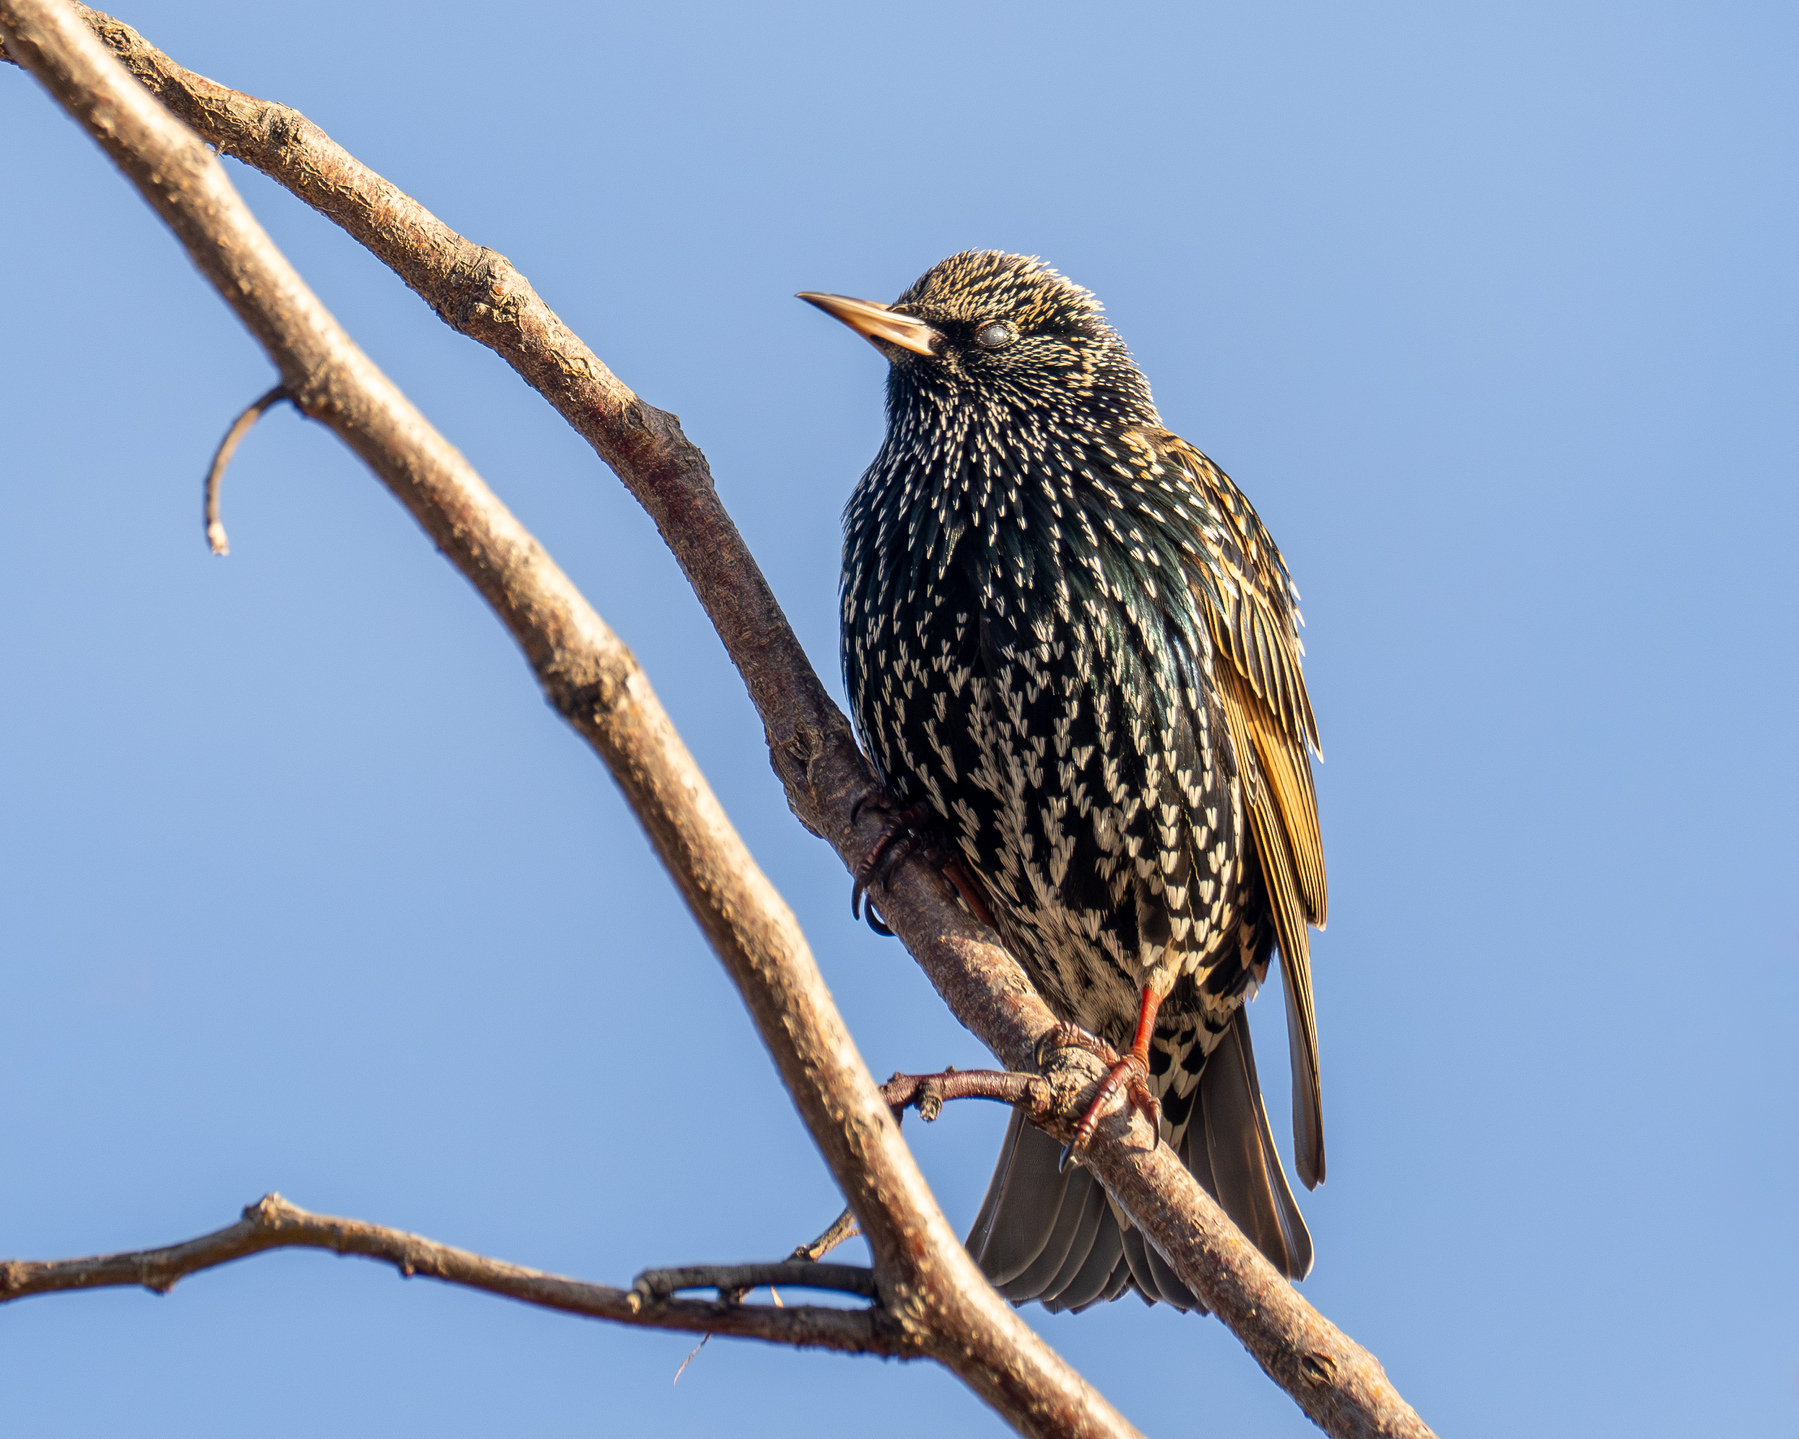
[[1489, 309]]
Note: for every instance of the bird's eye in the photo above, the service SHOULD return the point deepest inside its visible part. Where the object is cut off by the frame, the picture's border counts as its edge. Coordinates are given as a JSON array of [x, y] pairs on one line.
[[994, 334]]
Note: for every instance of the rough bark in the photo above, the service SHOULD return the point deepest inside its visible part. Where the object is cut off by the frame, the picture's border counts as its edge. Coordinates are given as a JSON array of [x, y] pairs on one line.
[[273, 1223]]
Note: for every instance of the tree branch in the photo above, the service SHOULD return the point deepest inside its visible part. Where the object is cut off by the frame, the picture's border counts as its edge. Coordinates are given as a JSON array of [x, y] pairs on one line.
[[273, 1223], [928, 1284], [1339, 1385], [658, 1284], [927, 1093]]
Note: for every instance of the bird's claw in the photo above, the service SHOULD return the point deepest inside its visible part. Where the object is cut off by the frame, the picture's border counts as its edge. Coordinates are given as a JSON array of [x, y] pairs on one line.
[[1128, 1072], [899, 837]]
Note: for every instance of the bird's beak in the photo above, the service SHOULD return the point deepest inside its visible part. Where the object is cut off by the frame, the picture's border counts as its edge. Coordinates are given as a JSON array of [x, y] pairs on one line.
[[874, 321]]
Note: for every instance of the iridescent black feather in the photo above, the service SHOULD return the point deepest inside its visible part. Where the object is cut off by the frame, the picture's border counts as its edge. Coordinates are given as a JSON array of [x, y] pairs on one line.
[[1068, 633]]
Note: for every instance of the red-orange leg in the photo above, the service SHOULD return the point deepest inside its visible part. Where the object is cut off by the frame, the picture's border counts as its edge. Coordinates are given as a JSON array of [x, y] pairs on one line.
[[1129, 1073], [970, 890]]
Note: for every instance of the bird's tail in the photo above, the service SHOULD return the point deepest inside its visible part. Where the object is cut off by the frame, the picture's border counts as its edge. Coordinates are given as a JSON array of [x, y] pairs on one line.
[[1058, 1238]]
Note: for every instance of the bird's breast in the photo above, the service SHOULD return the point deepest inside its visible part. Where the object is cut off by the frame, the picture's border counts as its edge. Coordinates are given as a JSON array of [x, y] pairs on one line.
[[1010, 663]]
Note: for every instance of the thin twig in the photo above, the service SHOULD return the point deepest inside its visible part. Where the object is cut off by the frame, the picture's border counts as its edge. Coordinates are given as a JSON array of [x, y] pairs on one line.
[[741, 1278], [692, 1354], [927, 1092], [215, 477], [273, 1223], [843, 1228]]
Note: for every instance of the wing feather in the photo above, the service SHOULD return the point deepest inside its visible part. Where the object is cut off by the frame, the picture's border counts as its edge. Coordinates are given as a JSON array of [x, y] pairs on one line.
[[1278, 874], [1289, 779], [1249, 602], [1254, 621]]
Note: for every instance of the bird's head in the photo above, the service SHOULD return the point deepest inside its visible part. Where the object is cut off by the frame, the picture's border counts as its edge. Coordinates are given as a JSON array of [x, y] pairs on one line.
[[1000, 327]]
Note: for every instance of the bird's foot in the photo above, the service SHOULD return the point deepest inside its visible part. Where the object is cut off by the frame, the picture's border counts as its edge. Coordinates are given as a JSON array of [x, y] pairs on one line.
[[900, 836], [907, 833], [1128, 1073]]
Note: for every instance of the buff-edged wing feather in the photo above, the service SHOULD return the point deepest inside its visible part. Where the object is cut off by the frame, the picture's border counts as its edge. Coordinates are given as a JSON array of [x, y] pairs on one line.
[[1283, 815], [1251, 607], [1269, 826]]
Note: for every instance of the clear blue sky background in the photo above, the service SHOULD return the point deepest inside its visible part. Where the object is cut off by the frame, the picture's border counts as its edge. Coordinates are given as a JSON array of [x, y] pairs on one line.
[[1490, 309]]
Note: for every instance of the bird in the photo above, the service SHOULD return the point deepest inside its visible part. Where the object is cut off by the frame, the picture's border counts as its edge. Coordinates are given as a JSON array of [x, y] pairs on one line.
[[1072, 653]]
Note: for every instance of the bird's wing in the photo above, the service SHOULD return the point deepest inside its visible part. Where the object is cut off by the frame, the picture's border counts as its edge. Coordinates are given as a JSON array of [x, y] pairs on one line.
[[1251, 607], [1269, 823]]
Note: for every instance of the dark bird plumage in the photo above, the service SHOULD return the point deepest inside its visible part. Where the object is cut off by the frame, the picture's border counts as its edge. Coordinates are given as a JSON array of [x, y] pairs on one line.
[[1067, 634]]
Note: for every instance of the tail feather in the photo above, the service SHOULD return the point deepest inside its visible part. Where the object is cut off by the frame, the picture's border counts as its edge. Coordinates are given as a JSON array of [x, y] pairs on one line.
[[1023, 1203], [1169, 1283], [1247, 1179], [1076, 1220], [1087, 1201], [1104, 1276], [1151, 1276], [1055, 1237]]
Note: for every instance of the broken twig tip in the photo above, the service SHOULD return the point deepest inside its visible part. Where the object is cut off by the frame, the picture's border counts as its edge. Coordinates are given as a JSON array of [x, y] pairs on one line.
[[215, 477], [688, 1360]]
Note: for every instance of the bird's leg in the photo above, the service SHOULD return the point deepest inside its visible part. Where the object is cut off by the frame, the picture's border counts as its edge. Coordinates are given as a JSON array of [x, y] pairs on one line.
[[1129, 1072], [970, 889]]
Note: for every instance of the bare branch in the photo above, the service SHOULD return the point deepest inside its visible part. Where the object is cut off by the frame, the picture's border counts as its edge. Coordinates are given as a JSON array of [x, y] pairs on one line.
[[659, 1284], [215, 476], [928, 1284], [273, 1223], [927, 1092]]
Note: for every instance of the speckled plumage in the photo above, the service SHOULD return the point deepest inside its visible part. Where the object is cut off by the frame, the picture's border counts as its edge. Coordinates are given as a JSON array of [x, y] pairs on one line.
[[1068, 633]]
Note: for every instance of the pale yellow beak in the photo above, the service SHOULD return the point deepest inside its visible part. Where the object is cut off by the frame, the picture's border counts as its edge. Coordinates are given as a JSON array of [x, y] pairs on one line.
[[874, 321]]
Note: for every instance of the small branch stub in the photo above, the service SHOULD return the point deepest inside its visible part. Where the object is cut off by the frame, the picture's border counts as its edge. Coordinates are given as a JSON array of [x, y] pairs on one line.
[[215, 477], [843, 1229], [927, 1092]]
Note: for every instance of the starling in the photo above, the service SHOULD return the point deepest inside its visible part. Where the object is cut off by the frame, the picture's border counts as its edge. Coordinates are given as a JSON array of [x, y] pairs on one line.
[[1071, 646]]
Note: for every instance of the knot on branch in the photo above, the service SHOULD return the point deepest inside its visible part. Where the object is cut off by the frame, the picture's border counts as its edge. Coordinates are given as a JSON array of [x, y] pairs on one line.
[[1318, 1368], [12, 1278], [649, 446], [270, 1212], [482, 287], [416, 1259], [315, 393], [682, 454], [283, 128], [593, 695], [799, 757]]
